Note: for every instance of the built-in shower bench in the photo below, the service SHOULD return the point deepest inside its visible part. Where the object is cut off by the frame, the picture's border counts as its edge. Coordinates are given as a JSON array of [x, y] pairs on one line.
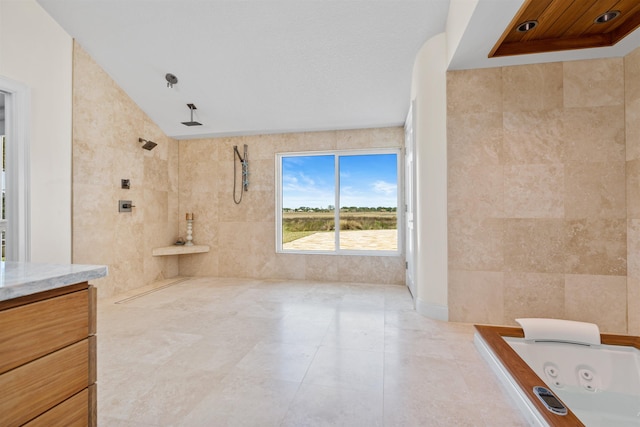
[[180, 250]]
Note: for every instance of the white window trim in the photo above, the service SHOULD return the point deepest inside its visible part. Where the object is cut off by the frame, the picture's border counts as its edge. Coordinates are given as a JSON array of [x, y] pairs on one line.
[[18, 237], [337, 153]]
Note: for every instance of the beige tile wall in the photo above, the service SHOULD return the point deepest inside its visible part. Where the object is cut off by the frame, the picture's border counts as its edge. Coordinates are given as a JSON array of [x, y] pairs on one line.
[[537, 203], [106, 128], [242, 237], [632, 108]]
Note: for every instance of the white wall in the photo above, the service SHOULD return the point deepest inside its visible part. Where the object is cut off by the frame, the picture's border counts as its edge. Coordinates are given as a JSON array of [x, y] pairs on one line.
[[36, 52], [460, 13], [429, 90]]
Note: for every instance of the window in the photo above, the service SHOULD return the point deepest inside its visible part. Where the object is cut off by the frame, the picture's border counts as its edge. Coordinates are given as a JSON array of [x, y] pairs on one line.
[[356, 189]]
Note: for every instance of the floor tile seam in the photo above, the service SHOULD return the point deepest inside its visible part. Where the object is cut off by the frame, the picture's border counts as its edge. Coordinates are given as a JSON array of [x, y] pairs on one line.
[[293, 399], [315, 355]]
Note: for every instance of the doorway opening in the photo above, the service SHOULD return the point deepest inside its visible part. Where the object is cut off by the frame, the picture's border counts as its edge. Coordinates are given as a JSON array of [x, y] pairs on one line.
[[15, 172]]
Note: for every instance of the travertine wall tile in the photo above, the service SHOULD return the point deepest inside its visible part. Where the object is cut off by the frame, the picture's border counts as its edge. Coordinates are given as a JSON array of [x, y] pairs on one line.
[[478, 296], [534, 191], [596, 246], [594, 83], [632, 104], [632, 134], [358, 138], [632, 76], [533, 295], [595, 190], [535, 245], [321, 267], [474, 139], [597, 299], [633, 248], [632, 129], [633, 308], [476, 244], [594, 134], [472, 91], [633, 188], [532, 87], [533, 137], [476, 190]]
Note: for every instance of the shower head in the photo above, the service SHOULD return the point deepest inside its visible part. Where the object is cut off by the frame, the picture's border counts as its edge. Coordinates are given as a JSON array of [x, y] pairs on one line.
[[192, 123], [148, 145]]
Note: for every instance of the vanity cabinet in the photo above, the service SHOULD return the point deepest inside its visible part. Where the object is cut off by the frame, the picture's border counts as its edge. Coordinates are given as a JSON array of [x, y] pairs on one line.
[[48, 358]]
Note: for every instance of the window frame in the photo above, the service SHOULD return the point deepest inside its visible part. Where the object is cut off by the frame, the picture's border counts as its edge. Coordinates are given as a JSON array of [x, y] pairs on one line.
[[397, 151]]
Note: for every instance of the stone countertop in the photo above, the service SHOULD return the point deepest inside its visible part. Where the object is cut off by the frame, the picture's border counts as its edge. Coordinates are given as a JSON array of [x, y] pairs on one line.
[[18, 279]]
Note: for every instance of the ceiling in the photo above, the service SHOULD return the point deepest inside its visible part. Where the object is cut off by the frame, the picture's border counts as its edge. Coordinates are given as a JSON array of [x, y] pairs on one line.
[[262, 66]]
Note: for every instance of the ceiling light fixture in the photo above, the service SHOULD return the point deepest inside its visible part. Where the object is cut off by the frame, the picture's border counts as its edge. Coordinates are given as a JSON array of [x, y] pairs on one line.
[[607, 16], [527, 26]]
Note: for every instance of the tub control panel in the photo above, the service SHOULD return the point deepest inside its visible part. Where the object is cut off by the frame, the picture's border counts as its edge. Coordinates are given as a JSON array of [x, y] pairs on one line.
[[549, 400]]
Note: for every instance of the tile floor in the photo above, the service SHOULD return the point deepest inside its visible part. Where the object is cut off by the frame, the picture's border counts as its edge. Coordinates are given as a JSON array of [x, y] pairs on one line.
[[230, 352]]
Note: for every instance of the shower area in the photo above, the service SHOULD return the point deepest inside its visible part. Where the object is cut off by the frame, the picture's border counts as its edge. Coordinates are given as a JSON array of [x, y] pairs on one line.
[[196, 176]]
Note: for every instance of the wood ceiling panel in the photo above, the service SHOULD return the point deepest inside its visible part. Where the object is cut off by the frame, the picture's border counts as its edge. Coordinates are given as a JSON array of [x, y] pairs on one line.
[[626, 7], [547, 18], [582, 26], [628, 26], [530, 10], [567, 24]]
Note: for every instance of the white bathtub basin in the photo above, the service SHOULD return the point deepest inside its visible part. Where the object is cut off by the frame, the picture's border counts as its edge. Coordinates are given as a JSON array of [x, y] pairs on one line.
[[600, 384]]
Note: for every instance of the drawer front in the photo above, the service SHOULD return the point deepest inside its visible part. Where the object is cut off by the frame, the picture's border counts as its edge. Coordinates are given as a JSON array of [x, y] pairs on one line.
[[34, 330], [73, 412], [31, 389]]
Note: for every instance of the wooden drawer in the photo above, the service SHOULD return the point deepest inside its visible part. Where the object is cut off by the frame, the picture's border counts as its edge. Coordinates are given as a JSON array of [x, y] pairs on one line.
[[34, 330], [31, 389], [73, 412]]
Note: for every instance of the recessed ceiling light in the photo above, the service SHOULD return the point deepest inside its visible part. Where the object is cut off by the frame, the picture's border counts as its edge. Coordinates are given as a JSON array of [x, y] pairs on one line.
[[527, 26], [607, 16]]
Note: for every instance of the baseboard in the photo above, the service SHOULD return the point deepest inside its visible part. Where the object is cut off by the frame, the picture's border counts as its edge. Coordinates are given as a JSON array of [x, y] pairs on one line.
[[432, 311]]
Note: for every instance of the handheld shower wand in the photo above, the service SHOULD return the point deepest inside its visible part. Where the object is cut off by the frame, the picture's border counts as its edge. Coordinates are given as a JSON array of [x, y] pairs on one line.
[[244, 162]]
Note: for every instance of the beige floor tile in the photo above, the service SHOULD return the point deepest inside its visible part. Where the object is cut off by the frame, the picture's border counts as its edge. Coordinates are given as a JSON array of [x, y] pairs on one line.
[[233, 352], [243, 402], [317, 406], [286, 362], [350, 369]]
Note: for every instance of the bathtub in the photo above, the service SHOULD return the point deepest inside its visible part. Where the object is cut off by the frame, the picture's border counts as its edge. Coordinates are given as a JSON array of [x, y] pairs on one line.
[[599, 384]]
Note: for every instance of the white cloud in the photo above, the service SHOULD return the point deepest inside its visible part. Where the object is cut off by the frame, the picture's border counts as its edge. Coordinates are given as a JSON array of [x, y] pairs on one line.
[[383, 187], [307, 180]]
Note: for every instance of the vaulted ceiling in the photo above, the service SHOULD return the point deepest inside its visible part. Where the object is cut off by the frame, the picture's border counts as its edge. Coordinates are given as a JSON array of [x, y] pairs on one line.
[[264, 66]]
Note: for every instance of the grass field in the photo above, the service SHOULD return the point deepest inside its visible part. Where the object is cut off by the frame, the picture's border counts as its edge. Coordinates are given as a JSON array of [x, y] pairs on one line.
[[300, 224]]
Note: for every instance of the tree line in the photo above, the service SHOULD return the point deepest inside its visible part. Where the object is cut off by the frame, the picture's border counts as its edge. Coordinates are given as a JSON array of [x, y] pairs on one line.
[[343, 209]]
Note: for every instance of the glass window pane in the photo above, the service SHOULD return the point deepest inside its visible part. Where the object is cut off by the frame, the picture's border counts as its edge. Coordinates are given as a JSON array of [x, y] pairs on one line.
[[308, 199], [369, 202]]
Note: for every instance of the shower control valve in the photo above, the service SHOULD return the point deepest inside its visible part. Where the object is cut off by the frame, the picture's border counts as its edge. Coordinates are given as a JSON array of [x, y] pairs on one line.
[[125, 205]]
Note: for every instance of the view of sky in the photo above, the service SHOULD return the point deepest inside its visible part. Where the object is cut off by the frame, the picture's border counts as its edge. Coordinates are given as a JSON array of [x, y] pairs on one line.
[[365, 181]]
